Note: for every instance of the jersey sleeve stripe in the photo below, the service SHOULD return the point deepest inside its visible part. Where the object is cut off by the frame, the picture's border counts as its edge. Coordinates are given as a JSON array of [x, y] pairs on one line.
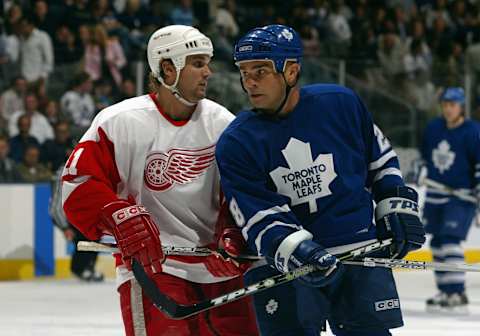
[[69, 186], [258, 240], [262, 214], [382, 160], [388, 171]]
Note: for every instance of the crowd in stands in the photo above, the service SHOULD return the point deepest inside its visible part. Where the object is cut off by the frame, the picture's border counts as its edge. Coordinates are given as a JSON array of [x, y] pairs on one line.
[[62, 61]]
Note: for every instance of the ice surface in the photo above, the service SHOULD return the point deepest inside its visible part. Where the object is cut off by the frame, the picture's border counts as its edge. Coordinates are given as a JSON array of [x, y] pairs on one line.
[[73, 308]]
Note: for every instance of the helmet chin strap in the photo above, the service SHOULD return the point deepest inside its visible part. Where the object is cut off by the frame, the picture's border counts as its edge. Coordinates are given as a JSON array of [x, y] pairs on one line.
[[173, 89]]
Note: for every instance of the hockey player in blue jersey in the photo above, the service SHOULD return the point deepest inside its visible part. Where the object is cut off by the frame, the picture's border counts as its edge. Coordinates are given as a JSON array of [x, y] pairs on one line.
[[451, 157], [301, 171]]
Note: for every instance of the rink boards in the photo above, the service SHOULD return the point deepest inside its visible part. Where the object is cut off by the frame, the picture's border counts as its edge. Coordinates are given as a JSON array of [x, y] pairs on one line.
[[30, 246]]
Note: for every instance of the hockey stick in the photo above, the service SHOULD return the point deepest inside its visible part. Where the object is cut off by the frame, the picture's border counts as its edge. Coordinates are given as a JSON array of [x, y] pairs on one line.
[[366, 262], [167, 250], [453, 192], [179, 311], [415, 265]]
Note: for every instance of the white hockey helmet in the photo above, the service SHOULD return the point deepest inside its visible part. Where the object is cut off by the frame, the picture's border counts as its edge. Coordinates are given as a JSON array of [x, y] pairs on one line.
[[176, 42]]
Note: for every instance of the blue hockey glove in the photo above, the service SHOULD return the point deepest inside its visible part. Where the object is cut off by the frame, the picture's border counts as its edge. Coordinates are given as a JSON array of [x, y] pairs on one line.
[[298, 249], [397, 217]]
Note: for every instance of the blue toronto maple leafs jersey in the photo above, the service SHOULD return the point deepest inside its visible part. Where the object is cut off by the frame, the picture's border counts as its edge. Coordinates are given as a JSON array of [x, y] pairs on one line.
[[452, 157], [315, 169]]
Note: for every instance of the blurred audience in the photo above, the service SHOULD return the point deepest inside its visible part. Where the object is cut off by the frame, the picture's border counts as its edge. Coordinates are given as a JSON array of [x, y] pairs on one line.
[[54, 153], [8, 171], [30, 169], [24, 139], [77, 104], [40, 127]]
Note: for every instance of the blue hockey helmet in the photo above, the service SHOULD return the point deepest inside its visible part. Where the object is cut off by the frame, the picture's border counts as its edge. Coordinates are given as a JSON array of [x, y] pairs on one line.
[[277, 43], [453, 94]]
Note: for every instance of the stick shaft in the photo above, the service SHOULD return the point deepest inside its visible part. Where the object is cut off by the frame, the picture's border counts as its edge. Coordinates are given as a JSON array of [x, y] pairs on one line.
[[457, 193], [415, 265], [167, 250]]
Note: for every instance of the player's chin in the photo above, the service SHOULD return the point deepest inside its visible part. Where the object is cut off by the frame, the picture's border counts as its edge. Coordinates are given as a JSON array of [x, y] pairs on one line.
[[201, 92]]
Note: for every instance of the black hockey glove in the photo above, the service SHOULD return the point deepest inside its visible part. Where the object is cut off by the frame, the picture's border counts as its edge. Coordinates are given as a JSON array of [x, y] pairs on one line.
[[297, 250], [397, 217]]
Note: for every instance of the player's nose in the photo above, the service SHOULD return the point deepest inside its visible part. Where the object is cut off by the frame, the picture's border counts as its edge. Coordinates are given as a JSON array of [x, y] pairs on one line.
[[207, 71]]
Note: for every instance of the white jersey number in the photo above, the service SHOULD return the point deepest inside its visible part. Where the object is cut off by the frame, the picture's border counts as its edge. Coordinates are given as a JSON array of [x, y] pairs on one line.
[[236, 213], [71, 169]]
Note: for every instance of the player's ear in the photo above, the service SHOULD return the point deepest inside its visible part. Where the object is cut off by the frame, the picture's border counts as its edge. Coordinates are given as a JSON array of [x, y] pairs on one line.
[[168, 71], [292, 71]]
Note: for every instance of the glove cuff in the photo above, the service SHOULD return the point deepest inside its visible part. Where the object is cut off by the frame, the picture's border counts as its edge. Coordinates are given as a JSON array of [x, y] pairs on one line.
[[396, 205], [401, 199], [287, 246], [117, 212]]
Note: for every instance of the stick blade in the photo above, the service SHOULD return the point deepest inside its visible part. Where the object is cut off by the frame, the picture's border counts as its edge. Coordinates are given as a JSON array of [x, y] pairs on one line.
[[163, 302]]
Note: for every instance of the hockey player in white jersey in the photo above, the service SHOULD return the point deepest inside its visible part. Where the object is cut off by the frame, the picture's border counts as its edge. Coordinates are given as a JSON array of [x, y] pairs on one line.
[[450, 157], [145, 172], [300, 172]]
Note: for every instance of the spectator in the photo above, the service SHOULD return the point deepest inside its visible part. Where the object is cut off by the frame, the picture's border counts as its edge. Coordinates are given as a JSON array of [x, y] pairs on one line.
[[52, 112], [67, 49], [100, 9], [78, 14], [14, 15], [30, 169], [135, 17], [20, 142], [416, 61], [43, 19], [339, 30], [183, 14], [36, 52], [103, 94], [104, 56], [40, 127], [8, 171], [54, 153], [77, 104], [12, 99], [390, 54], [128, 90], [438, 10], [226, 19], [9, 52], [310, 40], [439, 34]]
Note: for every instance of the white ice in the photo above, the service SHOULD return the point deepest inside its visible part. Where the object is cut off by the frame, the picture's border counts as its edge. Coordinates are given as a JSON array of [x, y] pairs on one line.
[[68, 307]]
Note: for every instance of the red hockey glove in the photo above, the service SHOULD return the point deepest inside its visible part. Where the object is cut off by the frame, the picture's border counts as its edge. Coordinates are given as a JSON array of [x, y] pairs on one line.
[[232, 242], [136, 234]]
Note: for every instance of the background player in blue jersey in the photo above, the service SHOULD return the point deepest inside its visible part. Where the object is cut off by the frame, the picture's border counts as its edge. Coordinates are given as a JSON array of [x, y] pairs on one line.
[[300, 172], [451, 156]]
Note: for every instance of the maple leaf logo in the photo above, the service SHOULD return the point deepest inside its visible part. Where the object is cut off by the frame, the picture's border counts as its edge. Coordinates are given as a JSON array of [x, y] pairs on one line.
[[306, 180], [287, 34], [271, 307], [443, 157]]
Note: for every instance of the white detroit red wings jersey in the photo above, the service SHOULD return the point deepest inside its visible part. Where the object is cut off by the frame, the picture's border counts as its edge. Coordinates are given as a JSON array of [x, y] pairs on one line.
[[134, 149]]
